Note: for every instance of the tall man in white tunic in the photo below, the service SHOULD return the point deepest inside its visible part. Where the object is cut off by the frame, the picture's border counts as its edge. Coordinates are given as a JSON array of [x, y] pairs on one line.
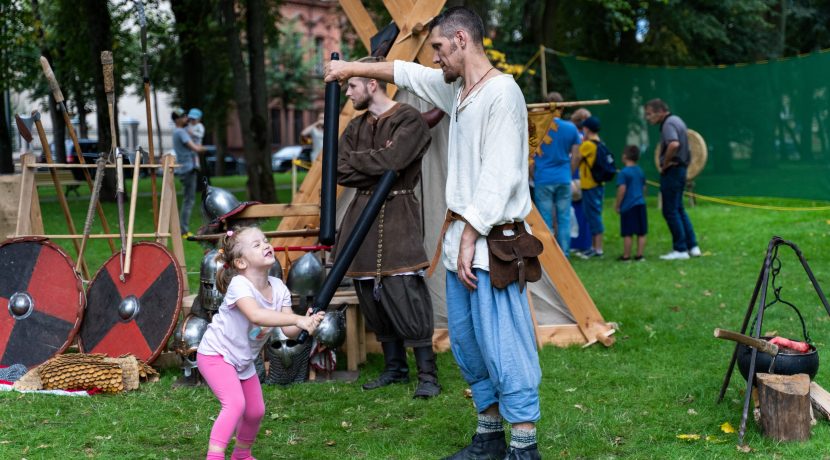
[[491, 332]]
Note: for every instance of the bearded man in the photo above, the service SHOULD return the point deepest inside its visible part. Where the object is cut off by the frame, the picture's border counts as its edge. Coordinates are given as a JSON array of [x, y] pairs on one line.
[[388, 268]]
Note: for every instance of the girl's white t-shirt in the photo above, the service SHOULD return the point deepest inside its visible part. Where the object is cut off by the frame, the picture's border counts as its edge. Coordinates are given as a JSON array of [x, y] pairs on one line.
[[230, 333]]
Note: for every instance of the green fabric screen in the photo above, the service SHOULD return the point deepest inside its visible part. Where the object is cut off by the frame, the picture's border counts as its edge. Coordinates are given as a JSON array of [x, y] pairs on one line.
[[766, 125]]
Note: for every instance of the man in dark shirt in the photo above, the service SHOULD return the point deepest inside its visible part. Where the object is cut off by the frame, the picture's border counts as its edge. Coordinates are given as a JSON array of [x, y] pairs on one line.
[[388, 268], [674, 160]]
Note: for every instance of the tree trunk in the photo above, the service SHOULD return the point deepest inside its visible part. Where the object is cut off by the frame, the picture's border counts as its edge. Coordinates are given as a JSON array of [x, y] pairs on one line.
[[785, 406], [6, 157], [242, 94], [260, 177], [191, 15], [99, 36], [58, 127]]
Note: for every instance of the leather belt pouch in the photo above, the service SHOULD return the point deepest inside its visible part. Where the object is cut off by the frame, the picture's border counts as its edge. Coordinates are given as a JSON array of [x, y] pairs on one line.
[[514, 255]]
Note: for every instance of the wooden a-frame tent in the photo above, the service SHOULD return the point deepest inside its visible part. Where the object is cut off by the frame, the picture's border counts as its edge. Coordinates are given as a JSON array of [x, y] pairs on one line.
[[563, 310]]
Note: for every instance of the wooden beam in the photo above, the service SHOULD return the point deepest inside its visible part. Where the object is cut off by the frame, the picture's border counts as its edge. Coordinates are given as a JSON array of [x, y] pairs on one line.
[[258, 211], [28, 195], [361, 21], [568, 284], [399, 10]]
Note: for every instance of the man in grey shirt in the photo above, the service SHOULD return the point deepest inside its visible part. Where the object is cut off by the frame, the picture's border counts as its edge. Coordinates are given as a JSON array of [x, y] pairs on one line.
[[674, 160], [187, 157]]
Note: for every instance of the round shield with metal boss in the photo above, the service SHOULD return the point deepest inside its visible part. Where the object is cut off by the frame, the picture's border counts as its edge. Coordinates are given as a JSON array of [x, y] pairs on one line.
[[41, 301], [138, 315]]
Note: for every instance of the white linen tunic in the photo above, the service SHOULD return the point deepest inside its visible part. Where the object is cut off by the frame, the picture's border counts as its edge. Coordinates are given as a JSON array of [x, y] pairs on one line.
[[487, 173]]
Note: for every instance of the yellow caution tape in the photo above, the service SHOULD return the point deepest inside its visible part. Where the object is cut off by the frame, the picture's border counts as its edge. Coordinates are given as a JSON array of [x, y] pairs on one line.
[[747, 205]]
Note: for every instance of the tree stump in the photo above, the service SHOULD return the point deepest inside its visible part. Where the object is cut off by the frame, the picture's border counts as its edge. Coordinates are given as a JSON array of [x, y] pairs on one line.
[[785, 406]]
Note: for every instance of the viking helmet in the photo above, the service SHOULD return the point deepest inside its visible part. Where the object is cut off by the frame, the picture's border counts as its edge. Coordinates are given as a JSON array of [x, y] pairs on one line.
[[186, 340], [282, 348], [306, 276], [217, 202], [288, 359], [209, 297], [332, 330]]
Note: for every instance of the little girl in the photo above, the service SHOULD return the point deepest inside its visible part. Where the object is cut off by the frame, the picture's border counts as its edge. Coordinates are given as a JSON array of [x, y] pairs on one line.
[[254, 303]]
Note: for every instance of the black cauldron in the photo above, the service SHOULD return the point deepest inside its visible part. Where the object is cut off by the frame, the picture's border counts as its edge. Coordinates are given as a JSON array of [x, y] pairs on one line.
[[788, 362]]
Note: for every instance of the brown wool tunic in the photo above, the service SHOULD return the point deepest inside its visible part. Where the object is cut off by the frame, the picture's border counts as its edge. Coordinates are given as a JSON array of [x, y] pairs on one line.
[[363, 157]]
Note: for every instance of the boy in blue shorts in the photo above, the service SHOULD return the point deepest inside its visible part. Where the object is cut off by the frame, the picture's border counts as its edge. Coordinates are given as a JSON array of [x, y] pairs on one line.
[[631, 203]]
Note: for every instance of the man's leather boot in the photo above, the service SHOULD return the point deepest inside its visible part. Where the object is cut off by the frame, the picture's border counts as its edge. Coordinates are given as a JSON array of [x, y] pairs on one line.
[[396, 371], [427, 373], [530, 452], [485, 446]]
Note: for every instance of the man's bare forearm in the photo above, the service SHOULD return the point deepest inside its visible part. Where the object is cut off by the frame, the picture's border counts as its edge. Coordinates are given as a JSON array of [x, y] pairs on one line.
[[343, 70]]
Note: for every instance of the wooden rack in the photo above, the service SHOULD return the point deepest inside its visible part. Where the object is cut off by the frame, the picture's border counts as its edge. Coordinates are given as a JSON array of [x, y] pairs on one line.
[[30, 221]]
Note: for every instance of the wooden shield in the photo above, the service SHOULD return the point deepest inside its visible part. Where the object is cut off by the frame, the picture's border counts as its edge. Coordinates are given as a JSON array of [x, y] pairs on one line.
[[699, 154], [152, 291], [41, 301]]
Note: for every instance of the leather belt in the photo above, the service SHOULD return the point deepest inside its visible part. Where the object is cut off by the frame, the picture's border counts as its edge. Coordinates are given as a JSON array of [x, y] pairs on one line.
[[392, 193], [450, 217]]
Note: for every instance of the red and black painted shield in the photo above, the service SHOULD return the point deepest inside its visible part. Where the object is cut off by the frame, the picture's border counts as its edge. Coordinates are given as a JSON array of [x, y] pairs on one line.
[[41, 301], [137, 315]]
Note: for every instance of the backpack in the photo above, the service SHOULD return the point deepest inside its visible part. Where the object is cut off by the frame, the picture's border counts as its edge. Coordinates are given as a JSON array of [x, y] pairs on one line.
[[603, 169]]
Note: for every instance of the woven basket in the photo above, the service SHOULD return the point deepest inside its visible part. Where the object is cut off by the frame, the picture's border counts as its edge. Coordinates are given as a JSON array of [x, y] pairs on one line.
[[129, 368], [82, 372], [29, 382]]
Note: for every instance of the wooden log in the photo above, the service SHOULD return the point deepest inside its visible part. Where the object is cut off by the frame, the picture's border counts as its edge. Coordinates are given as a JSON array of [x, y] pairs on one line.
[[785, 406], [820, 398]]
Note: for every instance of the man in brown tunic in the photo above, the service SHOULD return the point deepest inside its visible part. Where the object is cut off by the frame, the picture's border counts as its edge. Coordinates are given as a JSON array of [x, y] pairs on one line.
[[388, 267]]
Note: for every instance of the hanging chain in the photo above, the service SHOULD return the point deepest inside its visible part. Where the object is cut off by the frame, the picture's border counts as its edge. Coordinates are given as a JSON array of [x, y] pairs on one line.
[[775, 270]]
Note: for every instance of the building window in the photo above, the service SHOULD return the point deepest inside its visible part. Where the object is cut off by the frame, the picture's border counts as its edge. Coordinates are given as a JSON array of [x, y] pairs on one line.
[[319, 56]]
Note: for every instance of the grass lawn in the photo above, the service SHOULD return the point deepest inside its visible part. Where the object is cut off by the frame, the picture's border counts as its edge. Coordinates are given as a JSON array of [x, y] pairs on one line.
[[632, 400]]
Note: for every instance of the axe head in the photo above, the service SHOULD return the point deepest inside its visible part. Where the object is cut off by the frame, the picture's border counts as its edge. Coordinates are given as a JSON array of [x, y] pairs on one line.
[[24, 127]]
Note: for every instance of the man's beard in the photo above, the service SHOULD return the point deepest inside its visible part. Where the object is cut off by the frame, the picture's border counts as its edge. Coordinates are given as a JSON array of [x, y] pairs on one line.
[[450, 75], [361, 104]]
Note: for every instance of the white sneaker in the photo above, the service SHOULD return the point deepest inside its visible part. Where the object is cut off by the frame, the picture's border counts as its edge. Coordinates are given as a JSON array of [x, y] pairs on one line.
[[695, 251], [675, 255]]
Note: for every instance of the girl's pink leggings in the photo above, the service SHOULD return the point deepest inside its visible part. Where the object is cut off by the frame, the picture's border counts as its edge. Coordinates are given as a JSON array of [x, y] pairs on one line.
[[242, 403]]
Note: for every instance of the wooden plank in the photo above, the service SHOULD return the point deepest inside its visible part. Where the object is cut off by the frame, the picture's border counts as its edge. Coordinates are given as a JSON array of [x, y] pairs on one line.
[[9, 187], [568, 284], [352, 338], [166, 196], [28, 195], [278, 210], [176, 231], [361, 21], [97, 236], [820, 399], [399, 10]]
